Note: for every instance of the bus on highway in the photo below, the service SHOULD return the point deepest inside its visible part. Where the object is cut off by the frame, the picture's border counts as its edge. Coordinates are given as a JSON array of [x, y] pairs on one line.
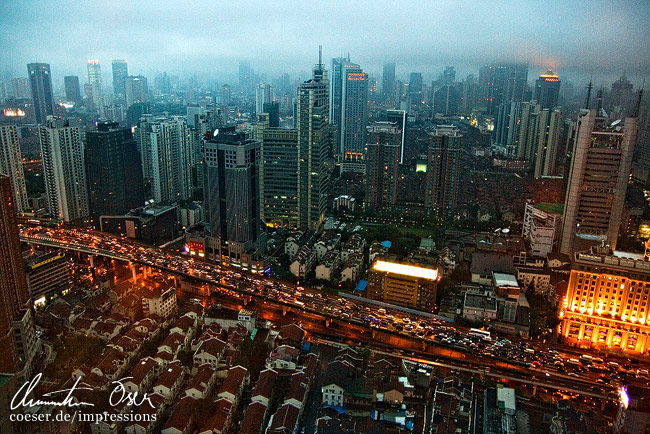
[[483, 334]]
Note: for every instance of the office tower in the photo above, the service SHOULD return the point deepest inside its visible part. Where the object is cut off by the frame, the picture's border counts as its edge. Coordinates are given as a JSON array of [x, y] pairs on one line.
[[312, 122], [449, 75], [231, 186], [95, 82], [398, 117], [120, 72], [621, 98], [382, 164], [278, 174], [11, 164], [388, 82], [502, 83], [349, 113], [547, 90], [165, 146], [606, 304], [72, 89], [548, 139], [41, 82], [602, 158], [20, 88], [202, 121], [263, 94], [17, 334], [64, 170], [114, 171], [443, 166], [404, 285], [135, 89], [225, 95], [446, 100], [273, 109], [415, 83]]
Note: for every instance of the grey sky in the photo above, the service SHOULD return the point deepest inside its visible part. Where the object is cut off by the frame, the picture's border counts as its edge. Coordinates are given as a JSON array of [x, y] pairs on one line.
[[208, 38]]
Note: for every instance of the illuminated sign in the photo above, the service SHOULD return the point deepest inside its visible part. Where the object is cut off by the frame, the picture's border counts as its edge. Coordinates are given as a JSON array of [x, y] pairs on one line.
[[625, 398], [39, 301], [406, 270], [13, 112], [356, 76]]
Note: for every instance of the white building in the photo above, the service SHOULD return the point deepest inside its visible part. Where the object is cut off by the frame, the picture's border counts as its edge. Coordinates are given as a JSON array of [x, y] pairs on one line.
[[541, 228], [64, 169]]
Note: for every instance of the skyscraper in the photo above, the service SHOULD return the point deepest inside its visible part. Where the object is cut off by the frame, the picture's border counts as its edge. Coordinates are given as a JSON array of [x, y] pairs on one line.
[[95, 82], [165, 145], [507, 127], [602, 158], [446, 100], [17, 335], [398, 117], [135, 89], [64, 170], [231, 187], [312, 122], [621, 98], [502, 83], [449, 75], [11, 164], [273, 109], [382, 164], [41, 82], [349, 113], [263, 95], [388, 82], [120, 72], [415, 83], [547, 90], [114, 171], [72, 89], [443, 166], [548, 138]]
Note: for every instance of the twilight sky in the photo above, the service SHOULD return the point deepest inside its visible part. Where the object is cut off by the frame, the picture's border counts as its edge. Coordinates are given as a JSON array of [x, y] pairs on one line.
[[208, 38]]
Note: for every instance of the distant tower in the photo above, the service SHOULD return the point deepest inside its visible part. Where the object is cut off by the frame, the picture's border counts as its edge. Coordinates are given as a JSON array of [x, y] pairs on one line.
[[64, 170], [95, 82], [547, 90], [621, 95], [263, 95], [17, 333], [382, 164], [41, 82], [120, 72], [11, 164], [135, 89], [598, 178], [72, 89], [388, 82], [443, 167]]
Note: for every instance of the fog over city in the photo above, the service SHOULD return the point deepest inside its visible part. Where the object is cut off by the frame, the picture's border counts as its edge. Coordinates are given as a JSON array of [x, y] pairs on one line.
[[208, 38]]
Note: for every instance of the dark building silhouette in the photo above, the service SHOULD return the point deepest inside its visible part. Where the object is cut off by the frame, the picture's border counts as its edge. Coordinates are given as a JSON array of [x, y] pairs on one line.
[[41, 82], [273, 109], [72, 89], [501, 83], [442, 170], [388, 82], [382, 164], [120, 72], [547, 90], [113, 170]]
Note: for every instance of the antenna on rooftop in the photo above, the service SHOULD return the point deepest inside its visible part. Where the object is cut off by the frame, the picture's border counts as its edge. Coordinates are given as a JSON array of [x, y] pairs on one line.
[[588, 100], [320, 57]]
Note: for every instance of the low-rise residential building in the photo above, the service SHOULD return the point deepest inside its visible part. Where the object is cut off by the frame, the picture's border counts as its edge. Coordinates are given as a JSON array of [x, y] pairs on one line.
[[181, 418], [479, 306], [159, 301], [169, 381], [201, 383], [331, 262], [303, 262]]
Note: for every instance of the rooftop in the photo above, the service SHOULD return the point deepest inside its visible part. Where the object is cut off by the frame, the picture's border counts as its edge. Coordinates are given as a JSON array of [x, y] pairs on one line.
[[502, 279], [556, 208], [406, 270]]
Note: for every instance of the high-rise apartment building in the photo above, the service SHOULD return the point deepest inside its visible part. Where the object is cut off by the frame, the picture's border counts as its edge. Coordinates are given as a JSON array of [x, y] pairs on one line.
[[41, 82], [607, 304], [446, 100], [114, 171], [120, 72], [17, 332], [502, 83], [598, 178], [165, 146], [443, 166], [349, 113], [95, 82], [72, 89], [64, 170], [273, 109], [263, 94], [382, 164], [231, 188], [548, 140], [547, 90], [135, 89], [11, 164], [388, 82], [398, 117], [312, 122], [21, 88]]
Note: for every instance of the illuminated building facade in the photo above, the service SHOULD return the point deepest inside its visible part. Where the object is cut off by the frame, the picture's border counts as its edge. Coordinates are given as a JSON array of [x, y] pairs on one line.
[[443, 165], [598, 178], [547, 90], [402, 284], [11, 164], [607, 301]]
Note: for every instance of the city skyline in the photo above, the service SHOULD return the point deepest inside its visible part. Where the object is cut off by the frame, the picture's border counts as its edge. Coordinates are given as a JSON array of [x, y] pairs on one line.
[[477, 35]]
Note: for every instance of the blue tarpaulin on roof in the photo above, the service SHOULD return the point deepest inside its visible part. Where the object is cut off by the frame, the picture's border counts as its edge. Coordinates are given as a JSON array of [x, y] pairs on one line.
[[362, 285], [386, 244], [339, 409]]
